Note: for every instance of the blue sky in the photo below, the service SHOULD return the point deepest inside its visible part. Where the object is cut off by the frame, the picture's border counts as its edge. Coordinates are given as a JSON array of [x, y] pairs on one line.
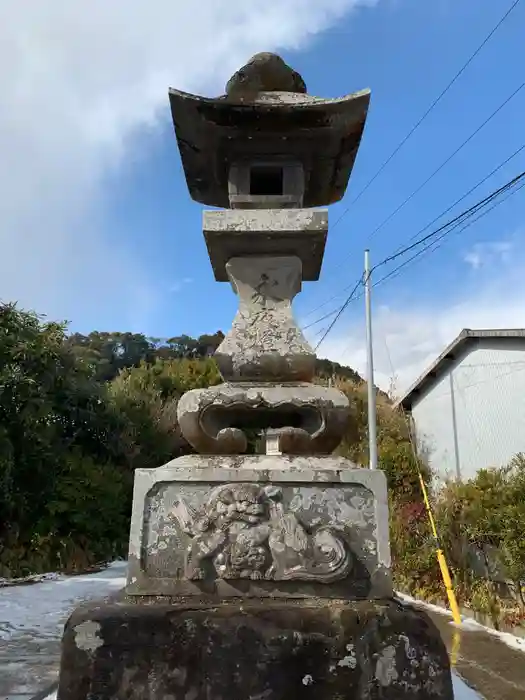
[[142, 263]]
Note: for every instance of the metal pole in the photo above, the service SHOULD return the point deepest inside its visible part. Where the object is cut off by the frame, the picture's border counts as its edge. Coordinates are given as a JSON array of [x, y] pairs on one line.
[[372, 427]]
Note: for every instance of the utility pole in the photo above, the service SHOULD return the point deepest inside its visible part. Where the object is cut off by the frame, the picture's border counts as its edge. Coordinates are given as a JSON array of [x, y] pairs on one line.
[[372, 427]]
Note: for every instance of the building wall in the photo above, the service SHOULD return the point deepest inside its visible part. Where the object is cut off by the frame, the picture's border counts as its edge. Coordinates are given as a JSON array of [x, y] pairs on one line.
[[489, 396]]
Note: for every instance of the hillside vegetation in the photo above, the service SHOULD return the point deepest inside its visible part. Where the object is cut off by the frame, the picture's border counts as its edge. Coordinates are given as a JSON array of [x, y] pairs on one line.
[[79, 413]]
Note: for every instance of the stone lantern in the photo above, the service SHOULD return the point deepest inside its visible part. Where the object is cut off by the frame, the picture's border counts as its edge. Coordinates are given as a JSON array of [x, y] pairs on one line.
[[260, 572]]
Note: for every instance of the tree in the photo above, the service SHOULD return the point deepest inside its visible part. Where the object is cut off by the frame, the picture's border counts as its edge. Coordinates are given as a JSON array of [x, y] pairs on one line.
[[50, 408], [109, 353], [145, 398]]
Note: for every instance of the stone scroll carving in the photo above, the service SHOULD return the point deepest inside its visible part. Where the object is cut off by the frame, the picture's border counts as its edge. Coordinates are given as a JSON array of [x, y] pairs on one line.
[[309, 418], [243, 532]]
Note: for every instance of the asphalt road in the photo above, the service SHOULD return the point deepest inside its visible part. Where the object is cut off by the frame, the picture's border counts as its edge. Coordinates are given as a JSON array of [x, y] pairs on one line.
[[492, 668]]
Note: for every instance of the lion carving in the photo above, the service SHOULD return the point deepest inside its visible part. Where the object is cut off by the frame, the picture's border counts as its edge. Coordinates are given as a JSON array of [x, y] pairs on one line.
[[243, 532]]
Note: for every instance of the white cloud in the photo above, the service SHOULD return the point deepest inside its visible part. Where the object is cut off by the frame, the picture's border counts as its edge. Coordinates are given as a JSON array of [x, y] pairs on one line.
[[474, 259], [487, 253], [79, 79], [180, 284], [408, 339]]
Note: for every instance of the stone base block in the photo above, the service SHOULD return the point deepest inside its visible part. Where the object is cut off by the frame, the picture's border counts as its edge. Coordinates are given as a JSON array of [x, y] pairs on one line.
[[260, 526], [264, 650]]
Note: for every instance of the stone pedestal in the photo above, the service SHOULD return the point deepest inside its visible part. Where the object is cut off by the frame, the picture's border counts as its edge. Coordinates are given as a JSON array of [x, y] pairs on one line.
[[260, 526], [185, 650]]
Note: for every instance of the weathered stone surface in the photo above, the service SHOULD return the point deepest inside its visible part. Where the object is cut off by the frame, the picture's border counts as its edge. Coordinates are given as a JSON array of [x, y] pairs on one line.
[[311, 418], [264, 72], [321, 134], [264, 342], [264, 650], [260, 577], [301, 527], [239, 233]]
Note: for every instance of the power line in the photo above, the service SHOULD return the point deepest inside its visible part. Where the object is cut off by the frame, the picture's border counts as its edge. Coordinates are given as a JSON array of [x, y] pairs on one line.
[[445, 162], [444, 230], [425, 115], [434, 245], [464, 196], [320, 306], [464, 215], [343, 307], [422, 230], [322, 318]]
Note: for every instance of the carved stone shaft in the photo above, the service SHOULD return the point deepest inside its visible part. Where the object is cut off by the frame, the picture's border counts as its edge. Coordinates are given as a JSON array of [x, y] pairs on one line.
[[265, 343]]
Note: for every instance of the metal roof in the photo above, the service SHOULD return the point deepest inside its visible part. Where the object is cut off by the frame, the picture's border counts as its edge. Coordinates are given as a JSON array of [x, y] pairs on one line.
[[466, 338]]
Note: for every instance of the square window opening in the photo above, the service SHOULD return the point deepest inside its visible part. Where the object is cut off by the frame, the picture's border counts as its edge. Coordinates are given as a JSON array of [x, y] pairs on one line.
[[266, 180]]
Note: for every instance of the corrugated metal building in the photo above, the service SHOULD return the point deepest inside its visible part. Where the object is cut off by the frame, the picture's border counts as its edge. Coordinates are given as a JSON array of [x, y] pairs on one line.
[[468, 407]]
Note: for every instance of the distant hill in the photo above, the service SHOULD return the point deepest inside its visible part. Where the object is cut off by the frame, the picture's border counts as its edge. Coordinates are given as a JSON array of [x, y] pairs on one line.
[[327, 369], [110, 353]]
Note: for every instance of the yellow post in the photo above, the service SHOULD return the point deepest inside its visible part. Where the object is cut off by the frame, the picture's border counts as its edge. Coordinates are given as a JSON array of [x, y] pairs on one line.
[[454, 608], [454, 649]]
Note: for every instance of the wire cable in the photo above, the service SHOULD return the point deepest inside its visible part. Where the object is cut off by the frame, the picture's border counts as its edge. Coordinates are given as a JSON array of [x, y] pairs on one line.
[[464, 215], [438, 543], [472, 189], [432, 246], [322, 318], [429, 110], [439, 242], [444, 230], [427, 226], [343, 307], [432, 243], [445, 162], [440, 167]]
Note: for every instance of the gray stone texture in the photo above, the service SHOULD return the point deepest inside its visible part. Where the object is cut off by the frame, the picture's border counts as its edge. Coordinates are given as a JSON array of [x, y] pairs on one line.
[[321, 134], [239, 233], [265, 342], [260, 577], [308, 649], [264, 72], [273, 526], [311, 418]]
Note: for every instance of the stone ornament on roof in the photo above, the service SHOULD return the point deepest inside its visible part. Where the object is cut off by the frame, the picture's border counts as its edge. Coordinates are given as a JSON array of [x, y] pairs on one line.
[[264, 72]]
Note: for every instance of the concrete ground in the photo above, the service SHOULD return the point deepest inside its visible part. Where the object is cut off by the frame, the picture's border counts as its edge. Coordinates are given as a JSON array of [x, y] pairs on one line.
[[492, 668], [30, 652], [31, 623], [27, 668]]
